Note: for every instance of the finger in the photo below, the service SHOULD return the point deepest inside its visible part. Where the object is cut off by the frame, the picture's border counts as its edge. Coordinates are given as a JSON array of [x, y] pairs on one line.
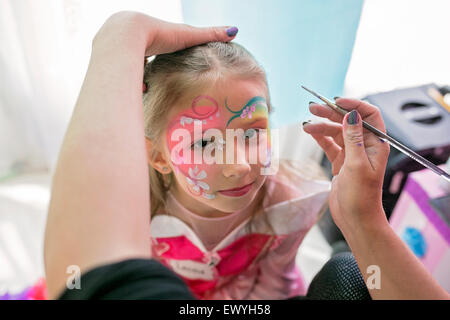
[[325, 111], [334, 153], [354, 140], [369, 113], [372, 115], [330, 148], [338, 162], [332, 130], [193, 36]]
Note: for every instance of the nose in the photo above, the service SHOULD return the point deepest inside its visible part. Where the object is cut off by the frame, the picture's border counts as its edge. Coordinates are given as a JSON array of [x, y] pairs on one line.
[[240, 166], [236, 170]]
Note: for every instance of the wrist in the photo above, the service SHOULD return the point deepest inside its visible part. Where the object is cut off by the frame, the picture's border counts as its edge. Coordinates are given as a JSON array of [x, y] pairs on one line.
[[366, 226], [125, 29]]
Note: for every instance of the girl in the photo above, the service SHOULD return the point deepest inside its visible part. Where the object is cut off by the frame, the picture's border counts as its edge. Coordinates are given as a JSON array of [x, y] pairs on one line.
[[228, 228]]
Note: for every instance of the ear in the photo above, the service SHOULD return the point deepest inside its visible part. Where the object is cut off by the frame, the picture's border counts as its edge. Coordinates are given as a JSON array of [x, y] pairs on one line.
[[158, 161]]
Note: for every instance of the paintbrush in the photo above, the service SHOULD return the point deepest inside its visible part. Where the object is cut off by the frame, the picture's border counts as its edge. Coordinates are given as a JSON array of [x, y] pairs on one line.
[[402, 148]]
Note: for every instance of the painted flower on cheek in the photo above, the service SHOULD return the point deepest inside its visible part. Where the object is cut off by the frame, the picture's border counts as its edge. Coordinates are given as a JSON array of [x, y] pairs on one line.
[[197, 185], [248, 111], [195, 175], [208, 196]]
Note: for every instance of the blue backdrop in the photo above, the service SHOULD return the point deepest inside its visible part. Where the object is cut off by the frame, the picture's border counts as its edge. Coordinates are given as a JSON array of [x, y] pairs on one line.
[[297, 42]]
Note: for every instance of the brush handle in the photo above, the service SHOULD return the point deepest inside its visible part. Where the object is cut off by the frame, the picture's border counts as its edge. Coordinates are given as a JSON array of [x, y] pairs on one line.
[[413, 155], [400, 147]]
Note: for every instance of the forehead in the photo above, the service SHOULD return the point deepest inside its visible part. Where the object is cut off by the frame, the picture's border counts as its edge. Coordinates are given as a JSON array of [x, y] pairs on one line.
[[224, 106]]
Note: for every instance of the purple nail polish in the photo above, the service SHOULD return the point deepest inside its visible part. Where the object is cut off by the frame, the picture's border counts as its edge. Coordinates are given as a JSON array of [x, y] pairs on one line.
[[231, 32], [352, 118]]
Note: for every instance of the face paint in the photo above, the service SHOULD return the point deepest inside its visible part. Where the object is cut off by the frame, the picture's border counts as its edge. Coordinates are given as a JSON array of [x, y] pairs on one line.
[[205, 111], [255, 107], [194, 180]]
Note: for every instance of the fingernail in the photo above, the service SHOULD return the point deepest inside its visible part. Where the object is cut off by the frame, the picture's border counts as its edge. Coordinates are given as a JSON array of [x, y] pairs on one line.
[[352, 118], [335, 98], [311, 102], [231, 32], [306, 122]]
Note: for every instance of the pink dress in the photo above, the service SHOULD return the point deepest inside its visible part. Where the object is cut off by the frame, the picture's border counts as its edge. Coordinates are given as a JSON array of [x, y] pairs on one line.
[[239, 256]]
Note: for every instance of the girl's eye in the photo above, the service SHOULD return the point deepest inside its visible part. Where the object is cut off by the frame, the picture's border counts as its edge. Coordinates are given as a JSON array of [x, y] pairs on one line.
[[251, 132], [200, 143]]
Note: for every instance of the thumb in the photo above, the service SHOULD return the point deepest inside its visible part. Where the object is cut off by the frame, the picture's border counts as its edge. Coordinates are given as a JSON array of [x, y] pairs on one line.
[[198, 36], [353, 138]]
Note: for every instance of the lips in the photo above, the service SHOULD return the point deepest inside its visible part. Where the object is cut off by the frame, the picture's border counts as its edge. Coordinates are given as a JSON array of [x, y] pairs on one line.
[[237, 192]]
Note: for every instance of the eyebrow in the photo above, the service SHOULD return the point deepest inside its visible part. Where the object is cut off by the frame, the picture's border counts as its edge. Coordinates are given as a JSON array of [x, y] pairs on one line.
[[258, 119]]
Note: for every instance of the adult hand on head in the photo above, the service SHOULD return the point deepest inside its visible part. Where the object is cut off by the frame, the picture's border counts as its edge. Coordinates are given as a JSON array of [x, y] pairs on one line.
[[160, 36], [358, 159]]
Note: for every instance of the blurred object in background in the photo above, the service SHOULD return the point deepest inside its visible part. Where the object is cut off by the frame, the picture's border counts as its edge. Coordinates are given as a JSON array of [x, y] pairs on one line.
[[44, 54], [36, 292], [422, 219], [445, 185], [24, 199], [418, 118]]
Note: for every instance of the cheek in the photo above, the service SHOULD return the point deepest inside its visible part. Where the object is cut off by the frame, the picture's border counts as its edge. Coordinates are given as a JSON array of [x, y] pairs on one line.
[[207, 173], [212, 172], [262, 148], [198, 179]]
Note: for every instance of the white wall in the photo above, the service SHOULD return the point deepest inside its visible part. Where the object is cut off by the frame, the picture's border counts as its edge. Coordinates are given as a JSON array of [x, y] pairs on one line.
[[400, 43], [44, 54]]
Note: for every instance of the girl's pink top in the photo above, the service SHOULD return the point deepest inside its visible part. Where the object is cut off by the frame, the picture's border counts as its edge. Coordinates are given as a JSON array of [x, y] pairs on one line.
[[237, 256]]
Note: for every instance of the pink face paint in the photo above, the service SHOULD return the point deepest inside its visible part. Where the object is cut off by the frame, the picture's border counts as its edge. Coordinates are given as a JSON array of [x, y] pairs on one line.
[[185, 128], [204, 110]]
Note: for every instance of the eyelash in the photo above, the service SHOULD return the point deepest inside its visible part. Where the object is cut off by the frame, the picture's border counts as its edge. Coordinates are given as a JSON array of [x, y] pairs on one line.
[[208, 141]]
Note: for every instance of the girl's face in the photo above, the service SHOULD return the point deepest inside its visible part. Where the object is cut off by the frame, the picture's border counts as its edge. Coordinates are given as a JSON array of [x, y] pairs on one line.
[[216, 140]]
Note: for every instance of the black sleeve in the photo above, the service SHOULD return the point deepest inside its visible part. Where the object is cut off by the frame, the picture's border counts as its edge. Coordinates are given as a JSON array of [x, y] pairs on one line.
[[135, 279]]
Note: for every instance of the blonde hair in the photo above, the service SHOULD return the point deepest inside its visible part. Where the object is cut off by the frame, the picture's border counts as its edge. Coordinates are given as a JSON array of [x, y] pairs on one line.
[[170, 77]]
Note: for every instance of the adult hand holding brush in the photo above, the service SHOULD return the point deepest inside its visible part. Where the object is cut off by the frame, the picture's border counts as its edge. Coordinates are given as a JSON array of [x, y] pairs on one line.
[[359, 159]]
